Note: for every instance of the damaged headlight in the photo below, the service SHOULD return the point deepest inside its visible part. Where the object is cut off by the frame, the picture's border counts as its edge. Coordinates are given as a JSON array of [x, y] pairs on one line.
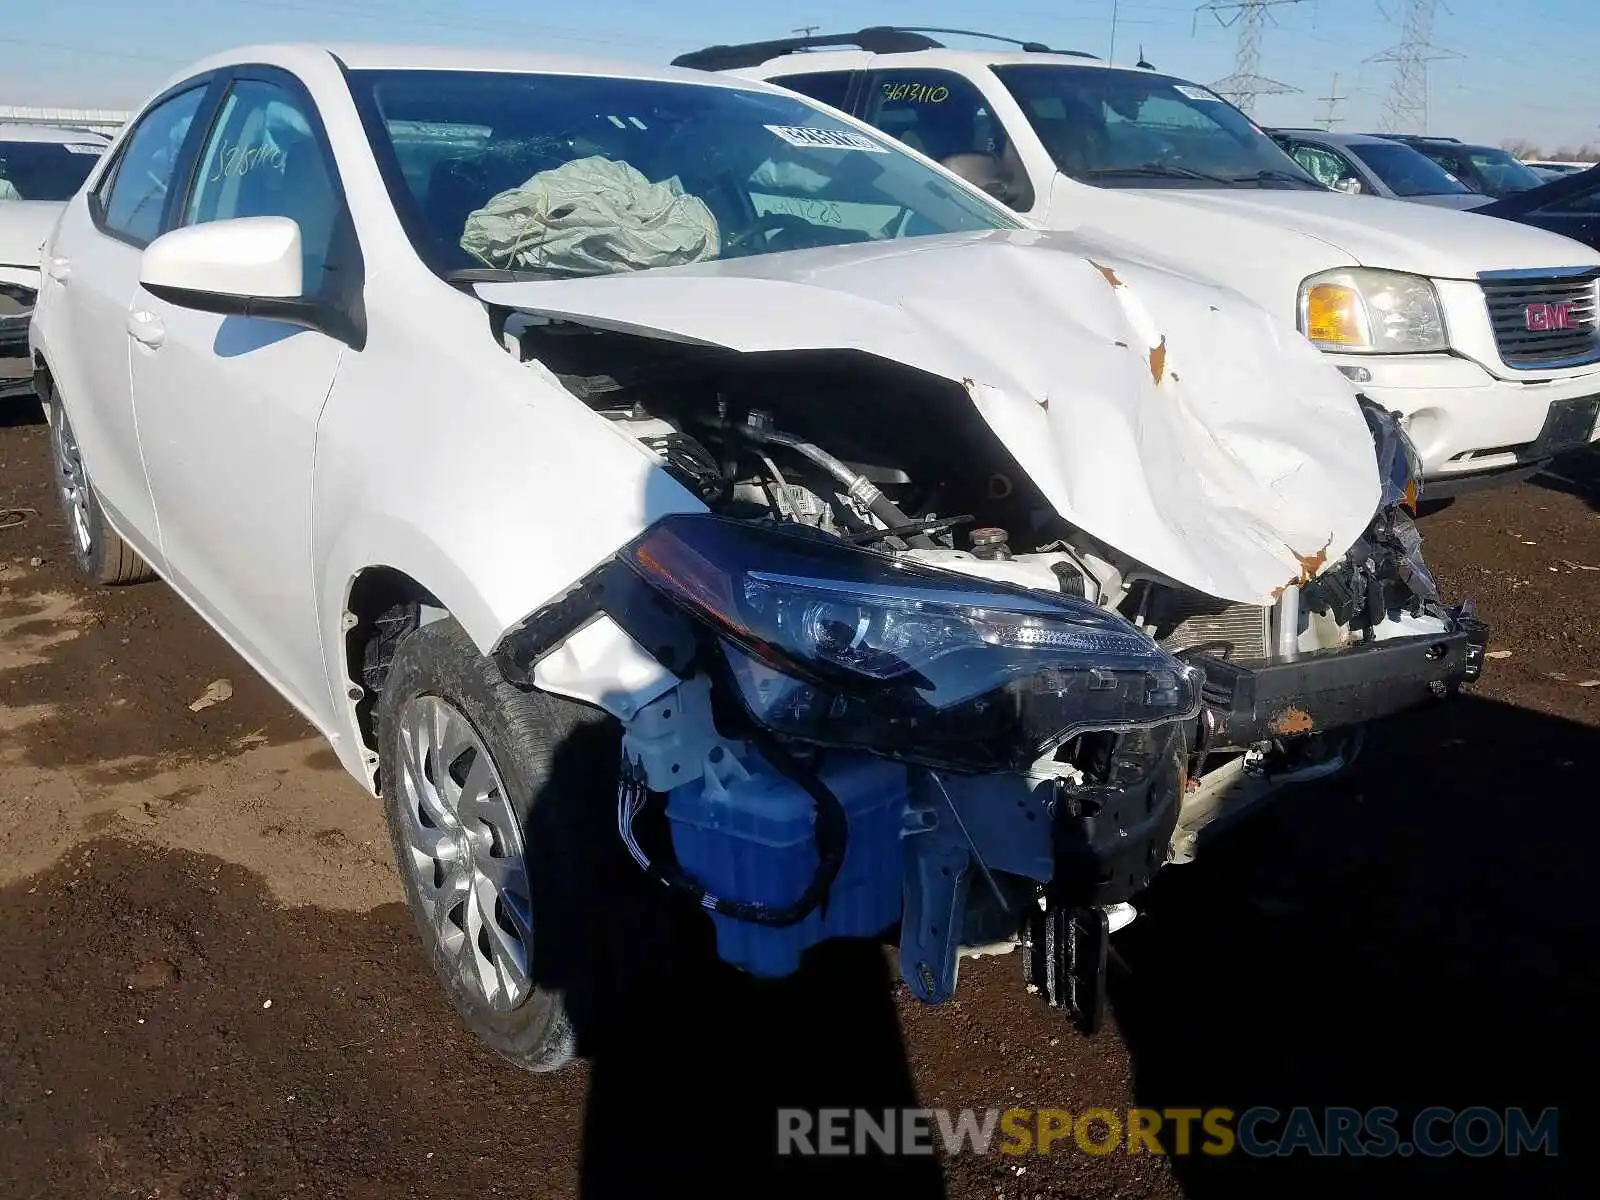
[[1372, 312], [842, 646], [1399, 462]]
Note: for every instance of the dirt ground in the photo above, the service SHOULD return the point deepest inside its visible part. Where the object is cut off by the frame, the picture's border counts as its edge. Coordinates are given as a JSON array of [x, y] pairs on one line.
[[210, 988]]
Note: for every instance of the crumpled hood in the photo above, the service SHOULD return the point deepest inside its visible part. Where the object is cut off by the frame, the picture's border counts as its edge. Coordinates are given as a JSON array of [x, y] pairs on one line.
[[1168, 417], [24, 226], [1373, 231]]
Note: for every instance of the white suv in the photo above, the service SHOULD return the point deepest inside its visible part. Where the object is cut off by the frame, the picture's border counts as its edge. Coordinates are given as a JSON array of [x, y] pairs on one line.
[[1481, 333]]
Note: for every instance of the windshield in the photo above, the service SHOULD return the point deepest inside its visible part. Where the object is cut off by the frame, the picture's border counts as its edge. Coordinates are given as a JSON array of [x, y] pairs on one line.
[[45, 170], [576, 175], [1501, 173], [1405, 172], [1127, 128]]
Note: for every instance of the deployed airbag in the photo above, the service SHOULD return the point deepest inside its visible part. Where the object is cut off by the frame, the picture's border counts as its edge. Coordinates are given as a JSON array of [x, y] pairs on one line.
[[592, 216]]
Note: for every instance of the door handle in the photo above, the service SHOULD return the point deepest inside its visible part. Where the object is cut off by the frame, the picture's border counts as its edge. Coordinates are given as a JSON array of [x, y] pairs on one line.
[[59, 269], [146, 328]]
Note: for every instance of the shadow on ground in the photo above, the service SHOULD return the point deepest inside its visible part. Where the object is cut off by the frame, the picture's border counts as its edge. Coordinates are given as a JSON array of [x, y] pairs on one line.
[[1423, 934], [1576, 474]]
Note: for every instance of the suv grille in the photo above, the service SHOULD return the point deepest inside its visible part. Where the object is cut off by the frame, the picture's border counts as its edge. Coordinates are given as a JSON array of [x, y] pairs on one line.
[[1543, 320]]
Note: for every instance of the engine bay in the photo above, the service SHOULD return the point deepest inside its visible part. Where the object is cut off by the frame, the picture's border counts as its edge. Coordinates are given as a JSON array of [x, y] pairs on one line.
[[901, 462]]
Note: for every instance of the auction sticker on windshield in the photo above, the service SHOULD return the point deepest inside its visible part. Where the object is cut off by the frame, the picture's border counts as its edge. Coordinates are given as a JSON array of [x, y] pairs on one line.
[[74, 148], [826, 139], [1195, 93]]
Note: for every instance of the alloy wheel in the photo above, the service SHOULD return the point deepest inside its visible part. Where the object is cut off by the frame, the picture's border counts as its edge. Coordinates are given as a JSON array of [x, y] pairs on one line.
[[71, 483], [464, 851]]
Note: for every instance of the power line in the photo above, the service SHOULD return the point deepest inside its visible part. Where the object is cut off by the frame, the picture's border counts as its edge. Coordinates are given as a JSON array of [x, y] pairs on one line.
[[1405, 108], [1246, 82]]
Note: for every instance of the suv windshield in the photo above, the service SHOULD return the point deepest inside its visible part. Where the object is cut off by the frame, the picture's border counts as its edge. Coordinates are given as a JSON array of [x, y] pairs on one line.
[[560, 175], [1405, 172], [1127, 128], [45, 170]]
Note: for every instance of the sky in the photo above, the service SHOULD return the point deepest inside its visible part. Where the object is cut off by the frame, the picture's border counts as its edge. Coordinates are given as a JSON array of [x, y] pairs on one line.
[[1523, 71]]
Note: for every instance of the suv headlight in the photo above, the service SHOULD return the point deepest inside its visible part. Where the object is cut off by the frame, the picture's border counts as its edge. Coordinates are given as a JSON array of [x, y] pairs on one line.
[[839, 646], [1372, 312]]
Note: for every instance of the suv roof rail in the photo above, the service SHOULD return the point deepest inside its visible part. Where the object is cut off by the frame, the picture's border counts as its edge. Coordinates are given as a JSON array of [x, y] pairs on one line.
[[876, 39]]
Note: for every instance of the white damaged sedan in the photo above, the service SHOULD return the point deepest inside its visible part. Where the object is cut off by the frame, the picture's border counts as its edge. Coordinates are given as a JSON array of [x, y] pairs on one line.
[[706, 524]]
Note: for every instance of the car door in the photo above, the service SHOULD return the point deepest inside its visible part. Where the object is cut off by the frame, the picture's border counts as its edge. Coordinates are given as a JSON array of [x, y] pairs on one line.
[[90, 276], [228, 405]]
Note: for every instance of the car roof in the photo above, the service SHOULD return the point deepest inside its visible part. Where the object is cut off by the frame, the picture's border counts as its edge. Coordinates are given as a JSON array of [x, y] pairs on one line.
[[307, 56], [809, 61], [1429, 139], [1333, 138], [898, 40], [55, 134]]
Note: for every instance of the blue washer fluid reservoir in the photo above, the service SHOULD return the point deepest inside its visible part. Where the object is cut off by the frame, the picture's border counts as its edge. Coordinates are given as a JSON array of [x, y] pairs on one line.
[[745, 832]]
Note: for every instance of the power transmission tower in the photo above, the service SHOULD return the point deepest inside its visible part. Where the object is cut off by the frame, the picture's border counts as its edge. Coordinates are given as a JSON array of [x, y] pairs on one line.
[[1405, 108], [1246, 82], [806, 30], [1332, 100]]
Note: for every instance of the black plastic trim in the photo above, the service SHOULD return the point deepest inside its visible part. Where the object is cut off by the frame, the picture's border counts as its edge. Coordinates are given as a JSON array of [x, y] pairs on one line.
[[1333, 689]]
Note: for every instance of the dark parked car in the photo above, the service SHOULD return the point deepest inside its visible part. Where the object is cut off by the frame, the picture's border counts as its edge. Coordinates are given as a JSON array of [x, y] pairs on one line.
[[1569, 205], [1486, 169]]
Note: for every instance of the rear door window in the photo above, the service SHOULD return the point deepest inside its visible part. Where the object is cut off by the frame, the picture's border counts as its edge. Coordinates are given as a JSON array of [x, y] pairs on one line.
[[134, 199]]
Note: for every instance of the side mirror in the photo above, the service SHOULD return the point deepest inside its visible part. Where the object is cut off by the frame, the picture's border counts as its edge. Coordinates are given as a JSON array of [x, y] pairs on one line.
[[1350, 186], [248, 258]]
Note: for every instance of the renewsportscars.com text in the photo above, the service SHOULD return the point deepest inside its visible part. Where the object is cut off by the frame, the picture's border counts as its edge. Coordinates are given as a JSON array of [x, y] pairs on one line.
[[1259, 1132]]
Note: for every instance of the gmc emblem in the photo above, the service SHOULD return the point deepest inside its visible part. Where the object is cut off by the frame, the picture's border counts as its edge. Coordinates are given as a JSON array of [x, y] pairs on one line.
[[1545, 318]]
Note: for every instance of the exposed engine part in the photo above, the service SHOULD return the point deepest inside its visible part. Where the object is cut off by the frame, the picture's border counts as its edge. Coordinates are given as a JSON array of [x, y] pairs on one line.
[[682, 456], [758, 428], [706, 868], [989, 542], [1183, 620], [1286, 624], [1055, 572]]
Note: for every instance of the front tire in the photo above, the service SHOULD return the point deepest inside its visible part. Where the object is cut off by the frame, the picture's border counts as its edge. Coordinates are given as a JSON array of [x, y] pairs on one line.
[[99, 552], [463, 756]]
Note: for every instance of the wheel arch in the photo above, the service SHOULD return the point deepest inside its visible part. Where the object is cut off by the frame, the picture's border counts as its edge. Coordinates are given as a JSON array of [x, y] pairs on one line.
[[370, 600]]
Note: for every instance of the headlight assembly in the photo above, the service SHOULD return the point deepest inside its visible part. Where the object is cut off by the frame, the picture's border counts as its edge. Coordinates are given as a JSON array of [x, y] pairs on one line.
[[1372, 312], [841, 646], [1399, 463]]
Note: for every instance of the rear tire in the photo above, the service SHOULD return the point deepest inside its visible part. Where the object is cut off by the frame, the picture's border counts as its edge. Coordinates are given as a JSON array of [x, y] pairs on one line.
[[99, 552]]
